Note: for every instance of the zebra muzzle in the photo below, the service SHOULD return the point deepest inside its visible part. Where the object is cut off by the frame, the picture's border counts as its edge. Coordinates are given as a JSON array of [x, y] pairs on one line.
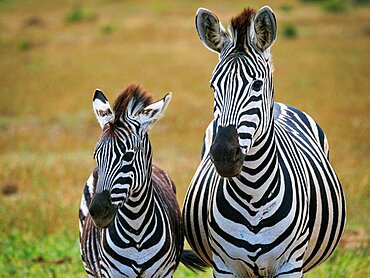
[[101, 209], [226, 153]]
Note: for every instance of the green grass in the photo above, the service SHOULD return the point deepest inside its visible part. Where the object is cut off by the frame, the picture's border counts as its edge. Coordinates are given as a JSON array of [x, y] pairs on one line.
[[57, 255], [48, 73], [54, 255], [345, 263]]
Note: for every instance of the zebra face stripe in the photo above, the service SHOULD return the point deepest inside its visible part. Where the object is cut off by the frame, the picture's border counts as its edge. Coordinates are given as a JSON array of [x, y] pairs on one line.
[[242, 80], [243, 99], [117, 154], [242, 94]]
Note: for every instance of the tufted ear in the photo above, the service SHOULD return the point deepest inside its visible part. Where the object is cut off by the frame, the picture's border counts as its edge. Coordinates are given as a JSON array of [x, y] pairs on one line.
[[102, 109], [152, 113], [210, 30], [265, 28]]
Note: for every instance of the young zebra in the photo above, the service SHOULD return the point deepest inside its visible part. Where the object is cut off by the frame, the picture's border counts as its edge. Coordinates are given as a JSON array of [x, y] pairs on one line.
[[264, 201], [130, 221]]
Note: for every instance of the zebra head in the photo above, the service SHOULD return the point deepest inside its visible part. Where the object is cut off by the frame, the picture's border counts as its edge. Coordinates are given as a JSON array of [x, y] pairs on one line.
[[242, 83], [123, 153]]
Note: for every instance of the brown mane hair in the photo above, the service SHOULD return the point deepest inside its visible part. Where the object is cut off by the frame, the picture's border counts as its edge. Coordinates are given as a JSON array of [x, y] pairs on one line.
[[240, 25], [134, 92]]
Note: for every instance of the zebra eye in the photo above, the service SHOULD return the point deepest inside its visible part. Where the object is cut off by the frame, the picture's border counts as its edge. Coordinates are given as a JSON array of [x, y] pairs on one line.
[[257, 85], [128, 156]]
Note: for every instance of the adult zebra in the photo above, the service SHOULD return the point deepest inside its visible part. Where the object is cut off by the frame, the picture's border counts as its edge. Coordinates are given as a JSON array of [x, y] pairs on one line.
[[130, 221], [264, 201]]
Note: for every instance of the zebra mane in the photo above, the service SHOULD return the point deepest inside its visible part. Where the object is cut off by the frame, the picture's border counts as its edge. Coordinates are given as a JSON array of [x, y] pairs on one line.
[[133, 93], [240, 27]]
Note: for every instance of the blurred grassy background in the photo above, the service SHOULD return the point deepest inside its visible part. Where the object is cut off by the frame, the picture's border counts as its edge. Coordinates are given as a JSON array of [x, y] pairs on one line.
[[53, 54]]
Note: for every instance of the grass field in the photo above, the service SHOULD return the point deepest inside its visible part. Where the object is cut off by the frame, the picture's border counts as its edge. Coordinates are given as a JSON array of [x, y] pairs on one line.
[[53, 54]]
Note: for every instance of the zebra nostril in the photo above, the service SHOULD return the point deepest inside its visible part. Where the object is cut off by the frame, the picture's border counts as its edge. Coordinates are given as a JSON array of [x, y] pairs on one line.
[[93, 211], [105, 210], [100, 205], [98, 210], [237, 154]]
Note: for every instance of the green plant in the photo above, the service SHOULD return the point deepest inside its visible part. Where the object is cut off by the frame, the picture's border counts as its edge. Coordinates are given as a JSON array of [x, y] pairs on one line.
[[290, 31], [107, 29], [360, 2], [78, 14], [313, 1], [286, 7], [24, 45], [334, 6]]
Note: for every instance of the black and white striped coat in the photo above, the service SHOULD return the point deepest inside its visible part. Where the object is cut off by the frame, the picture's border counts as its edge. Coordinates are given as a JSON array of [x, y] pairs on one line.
[[264, 201], [130, 221]]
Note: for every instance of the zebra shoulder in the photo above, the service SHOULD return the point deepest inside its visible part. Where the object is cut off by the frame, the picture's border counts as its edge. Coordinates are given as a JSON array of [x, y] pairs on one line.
[[286, 113], [165, 190]]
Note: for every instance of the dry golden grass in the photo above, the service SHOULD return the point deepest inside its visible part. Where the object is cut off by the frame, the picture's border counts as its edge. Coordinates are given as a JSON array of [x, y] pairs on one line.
[[49, 69]]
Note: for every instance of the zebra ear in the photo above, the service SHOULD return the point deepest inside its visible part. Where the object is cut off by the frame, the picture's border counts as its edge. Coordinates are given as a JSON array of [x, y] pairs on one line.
[[210, 30], [102, 109], [153, 112], [265, 28]]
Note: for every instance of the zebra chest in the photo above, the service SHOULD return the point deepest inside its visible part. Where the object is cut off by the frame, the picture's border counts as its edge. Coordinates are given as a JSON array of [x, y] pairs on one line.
[[136, 254], [250, 241], [241, 248]]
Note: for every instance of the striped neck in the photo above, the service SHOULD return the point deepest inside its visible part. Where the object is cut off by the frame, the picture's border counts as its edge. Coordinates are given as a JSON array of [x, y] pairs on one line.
[[259, 178], [138, 210]]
